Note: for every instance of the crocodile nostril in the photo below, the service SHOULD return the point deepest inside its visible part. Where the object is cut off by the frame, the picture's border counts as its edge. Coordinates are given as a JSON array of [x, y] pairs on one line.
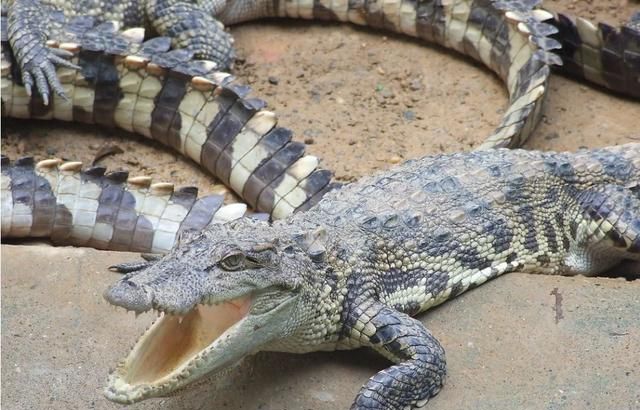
[[130, 283], [129, 295]]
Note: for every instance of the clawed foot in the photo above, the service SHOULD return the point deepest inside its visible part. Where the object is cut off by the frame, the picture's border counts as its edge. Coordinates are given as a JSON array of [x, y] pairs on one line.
[[40, 71], [27, 27]]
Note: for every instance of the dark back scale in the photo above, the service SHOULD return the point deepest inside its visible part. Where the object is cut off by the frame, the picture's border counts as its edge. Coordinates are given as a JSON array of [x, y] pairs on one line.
[[165, 95], [602, 54]]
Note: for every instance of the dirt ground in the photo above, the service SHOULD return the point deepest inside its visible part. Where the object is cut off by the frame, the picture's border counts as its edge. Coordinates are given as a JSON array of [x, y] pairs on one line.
[[362, 101]]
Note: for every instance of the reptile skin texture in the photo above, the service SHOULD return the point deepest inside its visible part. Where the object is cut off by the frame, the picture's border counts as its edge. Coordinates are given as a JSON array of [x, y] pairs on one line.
[[318, 266]]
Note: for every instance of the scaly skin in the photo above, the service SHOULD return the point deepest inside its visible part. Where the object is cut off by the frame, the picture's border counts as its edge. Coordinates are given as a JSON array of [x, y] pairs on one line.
[[351, 271], [513, 39], [31, 22], [600, 54], [143, 87], [166, 95]]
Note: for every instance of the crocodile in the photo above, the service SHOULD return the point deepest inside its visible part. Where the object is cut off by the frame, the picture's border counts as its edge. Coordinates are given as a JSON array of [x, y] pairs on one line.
[[114, 211], [352, 270], [515, 39], [165, 94]]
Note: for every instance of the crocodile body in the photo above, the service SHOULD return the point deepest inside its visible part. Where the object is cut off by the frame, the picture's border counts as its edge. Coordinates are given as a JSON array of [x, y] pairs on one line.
[[147, 88], [352, 269]]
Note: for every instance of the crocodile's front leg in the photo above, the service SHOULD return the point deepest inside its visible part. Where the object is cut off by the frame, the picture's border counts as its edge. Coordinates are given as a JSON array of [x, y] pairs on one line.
[[28, 22], [421, 366], [192, 27]]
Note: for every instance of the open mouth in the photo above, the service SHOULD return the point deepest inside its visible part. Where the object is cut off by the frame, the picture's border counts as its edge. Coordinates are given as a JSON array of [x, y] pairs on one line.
[[174, 350]]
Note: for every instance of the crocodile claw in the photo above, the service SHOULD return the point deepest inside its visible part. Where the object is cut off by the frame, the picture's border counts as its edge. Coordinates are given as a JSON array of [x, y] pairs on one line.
[[40, 72], [28, 25]]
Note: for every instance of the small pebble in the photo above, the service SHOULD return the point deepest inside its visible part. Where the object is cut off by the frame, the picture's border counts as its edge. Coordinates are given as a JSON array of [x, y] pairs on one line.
[[273, 80], [387, 93], [415, 84], [408, 115], [395, 159]]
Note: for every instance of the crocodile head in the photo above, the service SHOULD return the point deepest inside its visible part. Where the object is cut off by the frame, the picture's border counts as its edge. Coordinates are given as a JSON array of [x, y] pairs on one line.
[[221, 294]]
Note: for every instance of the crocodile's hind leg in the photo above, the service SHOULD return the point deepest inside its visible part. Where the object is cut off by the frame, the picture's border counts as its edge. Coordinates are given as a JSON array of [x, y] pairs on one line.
[[606, 229], [420, 369], [192, 27]]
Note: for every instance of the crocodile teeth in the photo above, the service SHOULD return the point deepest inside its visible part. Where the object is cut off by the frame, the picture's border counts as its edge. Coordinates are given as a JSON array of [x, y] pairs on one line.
[[179, 340]]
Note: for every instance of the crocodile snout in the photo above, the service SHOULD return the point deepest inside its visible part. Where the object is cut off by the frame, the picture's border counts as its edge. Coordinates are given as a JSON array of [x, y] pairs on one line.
[[129, 295]]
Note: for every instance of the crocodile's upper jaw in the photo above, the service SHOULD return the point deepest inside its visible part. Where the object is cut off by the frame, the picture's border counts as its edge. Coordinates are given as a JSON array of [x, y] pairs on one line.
[[178, 350]]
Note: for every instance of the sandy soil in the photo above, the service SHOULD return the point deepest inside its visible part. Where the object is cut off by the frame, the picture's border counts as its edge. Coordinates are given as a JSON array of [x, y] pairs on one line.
[[362, 101]]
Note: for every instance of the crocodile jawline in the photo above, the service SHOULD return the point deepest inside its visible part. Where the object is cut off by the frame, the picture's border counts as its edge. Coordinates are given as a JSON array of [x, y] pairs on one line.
[[175, 346]]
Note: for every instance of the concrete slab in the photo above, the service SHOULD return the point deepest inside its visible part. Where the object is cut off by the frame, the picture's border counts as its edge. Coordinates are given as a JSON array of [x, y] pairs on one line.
[[519, 342]]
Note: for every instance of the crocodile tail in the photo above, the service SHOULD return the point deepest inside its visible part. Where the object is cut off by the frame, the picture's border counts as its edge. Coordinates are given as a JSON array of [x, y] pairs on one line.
[[600, 53], [166, 95], [58, 200], [509, 37]]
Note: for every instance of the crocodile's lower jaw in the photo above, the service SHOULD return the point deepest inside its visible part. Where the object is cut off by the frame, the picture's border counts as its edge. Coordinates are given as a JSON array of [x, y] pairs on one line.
[[176, 351]]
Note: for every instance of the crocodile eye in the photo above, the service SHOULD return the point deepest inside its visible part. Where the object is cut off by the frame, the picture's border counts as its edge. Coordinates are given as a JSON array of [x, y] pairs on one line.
[[233, 261]]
